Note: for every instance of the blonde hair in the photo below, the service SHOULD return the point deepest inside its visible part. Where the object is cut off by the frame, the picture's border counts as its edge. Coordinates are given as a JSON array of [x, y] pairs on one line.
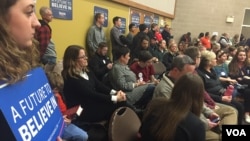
[[209, 55], [206, 58]]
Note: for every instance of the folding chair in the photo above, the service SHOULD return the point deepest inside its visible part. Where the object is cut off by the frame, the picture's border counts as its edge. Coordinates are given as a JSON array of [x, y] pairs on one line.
[[124, 125]]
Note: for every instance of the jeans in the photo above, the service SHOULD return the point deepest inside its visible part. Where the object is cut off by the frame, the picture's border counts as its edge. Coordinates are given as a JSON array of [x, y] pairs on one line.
[[73, 133]]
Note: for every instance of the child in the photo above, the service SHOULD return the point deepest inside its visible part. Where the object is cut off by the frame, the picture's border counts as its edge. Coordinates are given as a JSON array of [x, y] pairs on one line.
[[71, 131]]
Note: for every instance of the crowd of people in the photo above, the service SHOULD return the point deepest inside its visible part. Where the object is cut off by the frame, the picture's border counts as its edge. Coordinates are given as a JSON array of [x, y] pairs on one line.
[[190, 100]]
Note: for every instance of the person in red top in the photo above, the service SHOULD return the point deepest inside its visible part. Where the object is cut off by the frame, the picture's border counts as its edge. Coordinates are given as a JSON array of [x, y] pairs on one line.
[[70, 131], [143, 68], [205, 41], [158, 35]]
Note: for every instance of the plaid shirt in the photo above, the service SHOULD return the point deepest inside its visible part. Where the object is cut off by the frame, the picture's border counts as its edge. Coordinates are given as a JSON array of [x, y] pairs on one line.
[[43, 35]]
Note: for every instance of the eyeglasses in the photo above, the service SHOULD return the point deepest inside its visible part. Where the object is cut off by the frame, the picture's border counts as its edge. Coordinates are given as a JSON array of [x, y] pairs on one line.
[[83, 57]]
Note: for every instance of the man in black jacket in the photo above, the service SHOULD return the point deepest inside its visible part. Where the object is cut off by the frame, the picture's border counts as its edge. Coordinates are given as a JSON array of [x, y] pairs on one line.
[[100, 63]]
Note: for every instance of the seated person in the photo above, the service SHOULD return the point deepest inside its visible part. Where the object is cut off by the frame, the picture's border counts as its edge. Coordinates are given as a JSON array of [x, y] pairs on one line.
[[176, 118], [138, 93], [143, 68], [160, 50], [227, 113], [213, 85], [221, 69], [70, 131], [169, 56], [82, 87], [143, 45], [239, 69], [183, 64], [100, 63]]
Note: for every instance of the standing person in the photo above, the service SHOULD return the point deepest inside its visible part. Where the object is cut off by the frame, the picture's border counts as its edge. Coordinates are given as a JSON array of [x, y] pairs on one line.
[[235, 40], [186, 38], [177, 118], [18, 53], [213, 39], [225, 41], [96, 34], [205, 41], [166, 34], [152, 31], [130, 35], [44, 37], [143, 31], [115, 35]]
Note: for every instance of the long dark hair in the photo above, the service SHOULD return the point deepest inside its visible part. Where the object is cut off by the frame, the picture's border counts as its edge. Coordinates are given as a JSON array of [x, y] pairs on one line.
[[187, 96], [233, 65]]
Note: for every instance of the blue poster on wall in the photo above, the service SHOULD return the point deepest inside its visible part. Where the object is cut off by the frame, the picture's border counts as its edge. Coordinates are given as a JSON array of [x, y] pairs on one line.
[[29, 111], [123, 26], [156, 19], [61, 9], [147, 20], [135, 18], [105, 12]]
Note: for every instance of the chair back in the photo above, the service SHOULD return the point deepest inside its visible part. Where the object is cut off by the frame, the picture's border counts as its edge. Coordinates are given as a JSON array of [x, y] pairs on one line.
[[124, 125], [159, 68]]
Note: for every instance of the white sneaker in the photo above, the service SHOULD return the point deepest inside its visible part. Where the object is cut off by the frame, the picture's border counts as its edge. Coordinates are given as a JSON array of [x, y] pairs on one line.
[[247, 118]]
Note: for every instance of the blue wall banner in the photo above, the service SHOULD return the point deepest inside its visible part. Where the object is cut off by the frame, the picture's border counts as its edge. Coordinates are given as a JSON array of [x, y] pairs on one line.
[[123, 26], [103, 11], [156, 19], [147, 20], [61, 9], [135, 18], [29, 111]]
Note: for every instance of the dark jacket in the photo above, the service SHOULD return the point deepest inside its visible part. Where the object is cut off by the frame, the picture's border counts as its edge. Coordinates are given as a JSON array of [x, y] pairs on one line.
[[190, 129], [91, 94], [166, 36], [212, 84], [136, 40], [167, 59], [98, 64]]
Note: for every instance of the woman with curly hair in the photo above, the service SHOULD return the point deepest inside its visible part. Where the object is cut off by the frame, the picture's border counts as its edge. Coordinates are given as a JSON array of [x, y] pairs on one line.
[[18, 55]]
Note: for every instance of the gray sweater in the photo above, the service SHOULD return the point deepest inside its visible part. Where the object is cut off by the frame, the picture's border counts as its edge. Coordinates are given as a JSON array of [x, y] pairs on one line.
[[122, 78], [94, 37]]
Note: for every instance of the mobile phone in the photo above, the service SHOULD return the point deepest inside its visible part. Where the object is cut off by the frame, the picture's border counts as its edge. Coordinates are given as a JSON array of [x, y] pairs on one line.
[[216, 120]]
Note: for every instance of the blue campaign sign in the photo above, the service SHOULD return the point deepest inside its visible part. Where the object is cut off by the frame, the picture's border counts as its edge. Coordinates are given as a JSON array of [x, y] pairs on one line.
[[123, 26], [29, 111], [61, 9], [147, 20], [103, 11], [135, 18], [156, 19]]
